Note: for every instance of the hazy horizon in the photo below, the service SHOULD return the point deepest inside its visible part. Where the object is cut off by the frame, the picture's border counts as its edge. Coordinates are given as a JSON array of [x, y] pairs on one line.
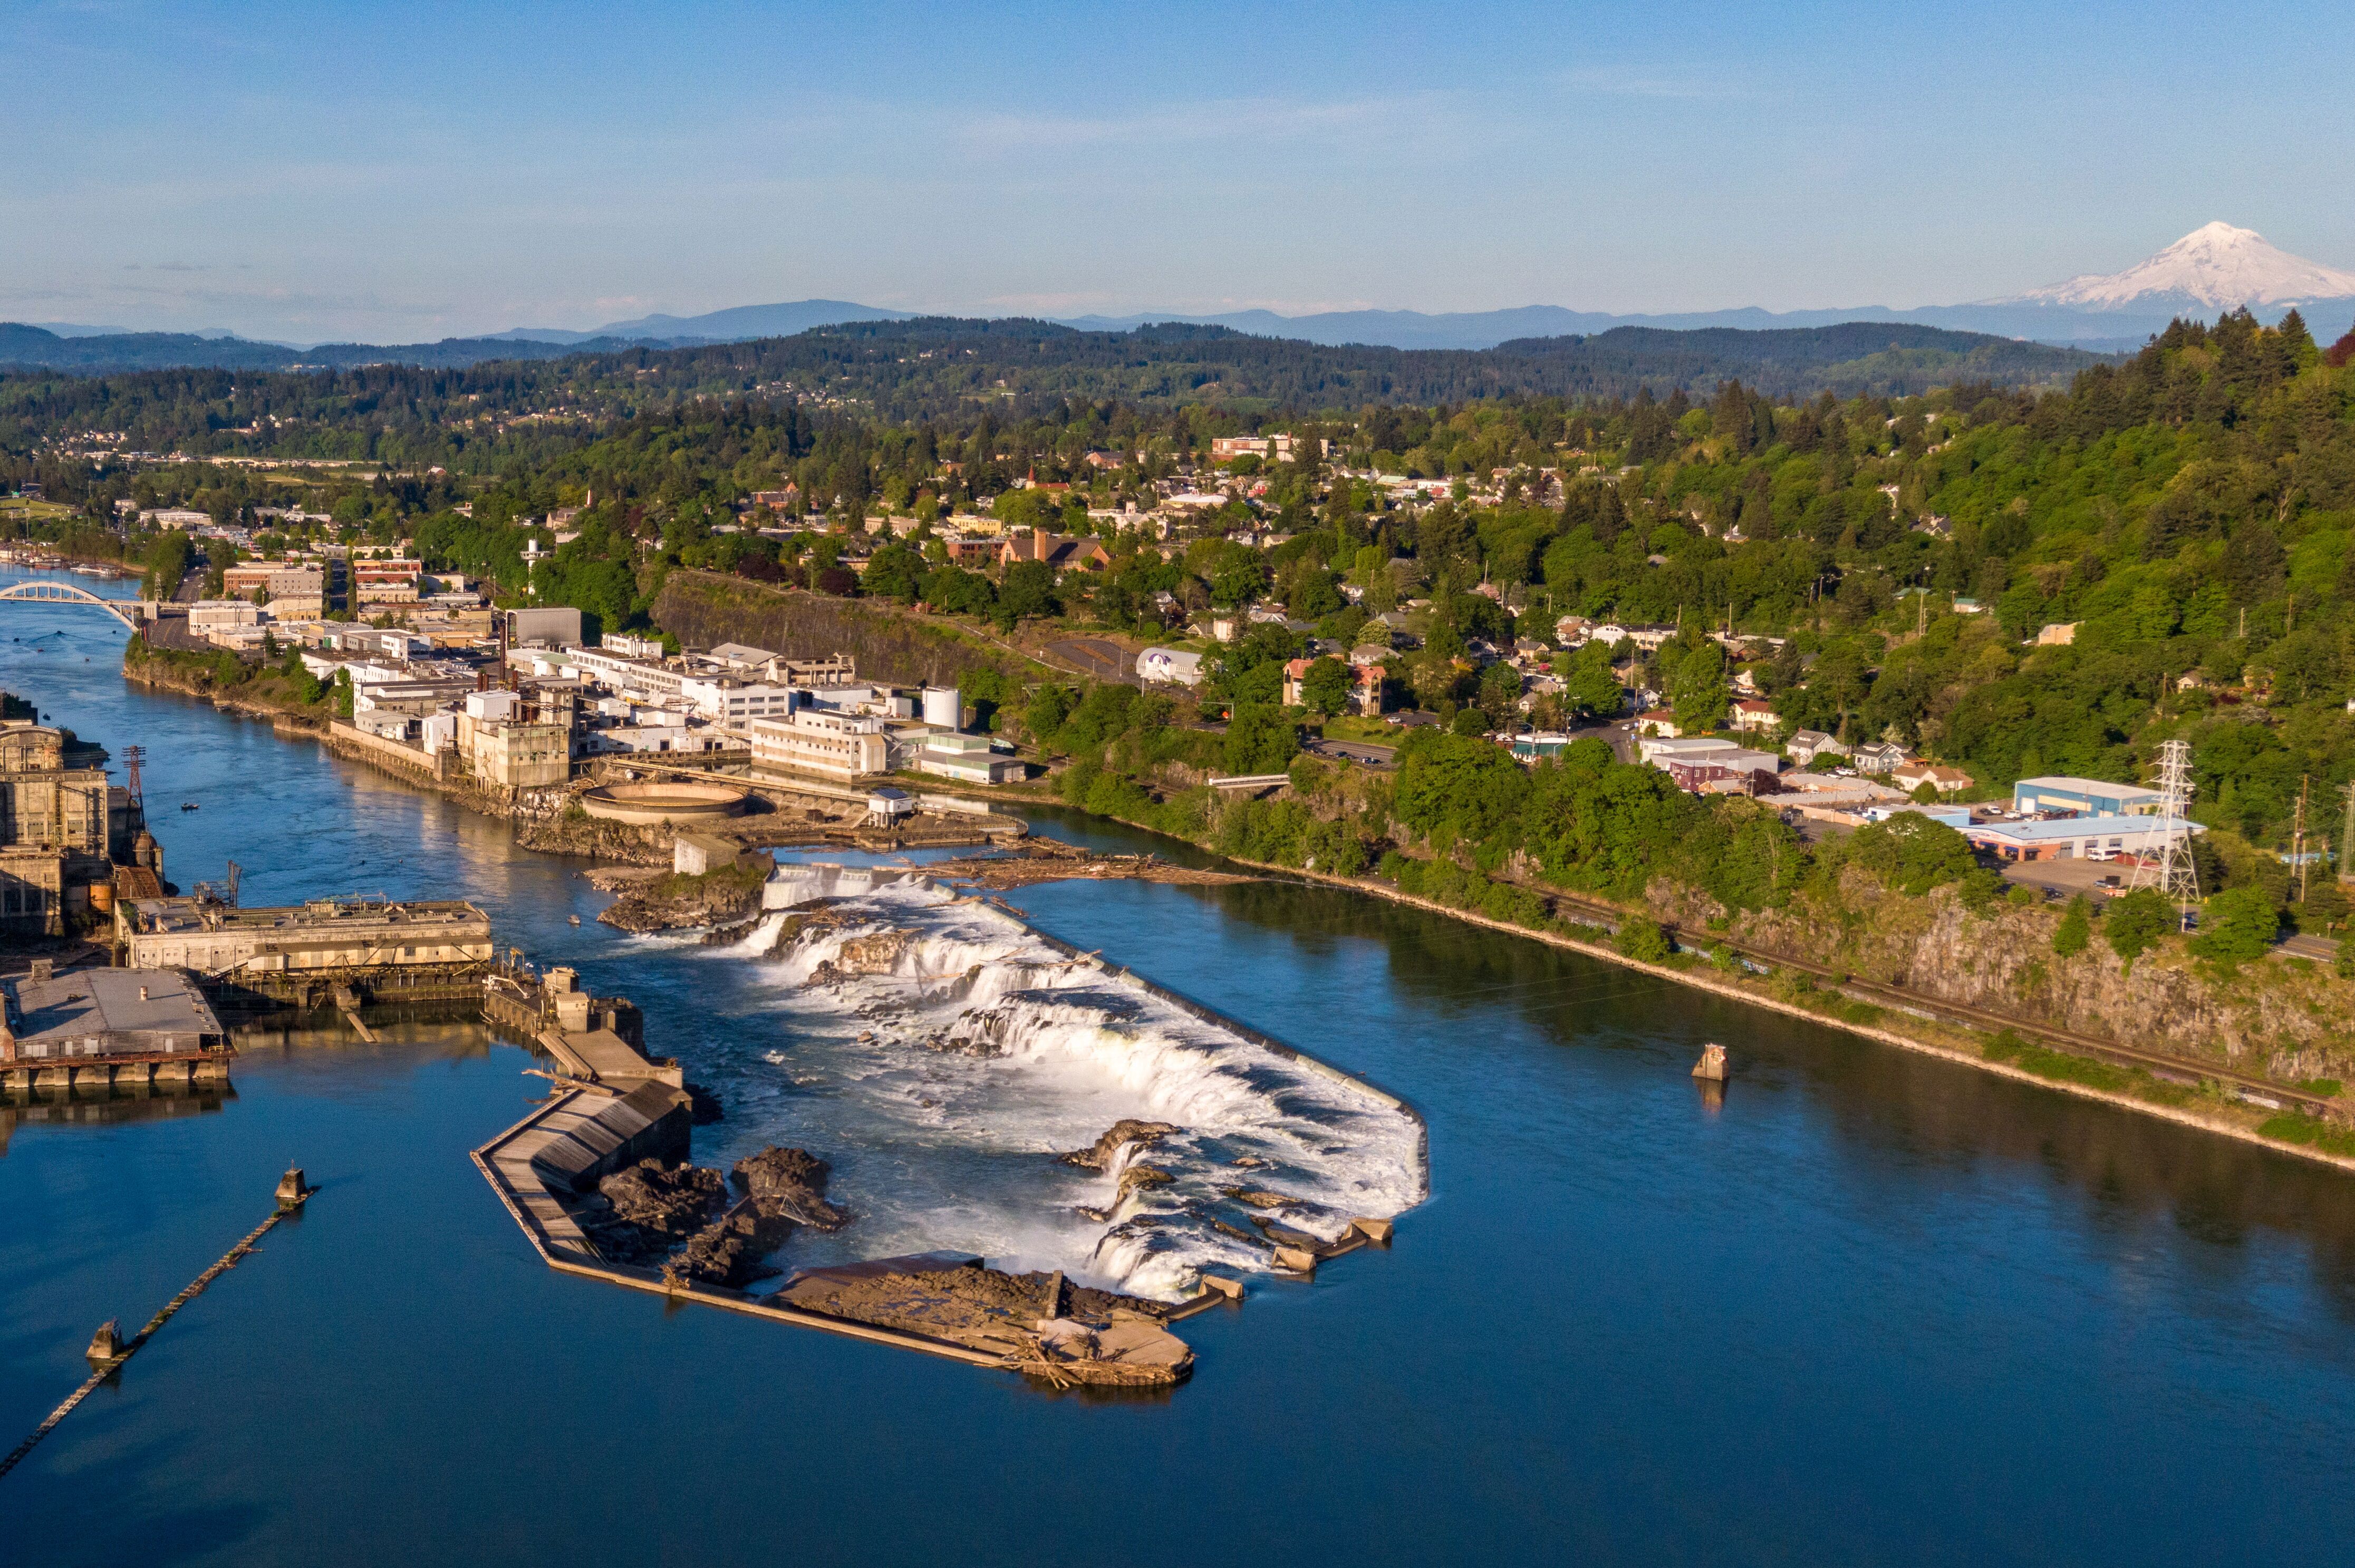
[[391, 174]]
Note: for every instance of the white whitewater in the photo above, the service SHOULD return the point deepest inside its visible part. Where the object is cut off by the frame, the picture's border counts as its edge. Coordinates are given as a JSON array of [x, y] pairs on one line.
[[939, 1053]]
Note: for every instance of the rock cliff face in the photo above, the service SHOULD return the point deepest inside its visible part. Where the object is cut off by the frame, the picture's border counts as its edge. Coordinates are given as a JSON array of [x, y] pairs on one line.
[[2269, 1018], [623, 843], [703, 608], [670, 903]]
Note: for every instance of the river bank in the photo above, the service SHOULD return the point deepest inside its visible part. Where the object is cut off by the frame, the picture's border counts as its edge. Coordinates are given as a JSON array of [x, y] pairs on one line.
[[2196, 1096], [2183, 1089]]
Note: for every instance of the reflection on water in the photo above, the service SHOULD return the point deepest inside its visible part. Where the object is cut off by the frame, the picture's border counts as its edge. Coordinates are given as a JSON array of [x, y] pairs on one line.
[[88, 1109], [1879, 1104]]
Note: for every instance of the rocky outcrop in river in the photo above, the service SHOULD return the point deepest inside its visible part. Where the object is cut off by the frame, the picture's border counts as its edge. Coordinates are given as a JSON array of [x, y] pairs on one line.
[[653, 1207], [662, 1215], [789, 1184], [1127, 1130], [675, 902]]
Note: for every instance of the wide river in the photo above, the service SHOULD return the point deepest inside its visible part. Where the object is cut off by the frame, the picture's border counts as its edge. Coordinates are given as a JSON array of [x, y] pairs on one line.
[[1873, 1309]]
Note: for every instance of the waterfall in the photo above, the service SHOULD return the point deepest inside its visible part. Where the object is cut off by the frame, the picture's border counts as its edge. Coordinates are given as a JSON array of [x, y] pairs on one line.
[[940, 1053]]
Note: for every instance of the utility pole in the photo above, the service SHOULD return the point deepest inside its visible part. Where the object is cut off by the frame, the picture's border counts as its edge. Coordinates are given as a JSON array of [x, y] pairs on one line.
[[2297, 836], [2346, 826]]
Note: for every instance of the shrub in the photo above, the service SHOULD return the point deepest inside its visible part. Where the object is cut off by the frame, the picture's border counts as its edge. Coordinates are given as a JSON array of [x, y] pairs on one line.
[[2239, 924], [2290, 1128], [2136, 922], [1644, 941], [1913, 853], [2076, 929]]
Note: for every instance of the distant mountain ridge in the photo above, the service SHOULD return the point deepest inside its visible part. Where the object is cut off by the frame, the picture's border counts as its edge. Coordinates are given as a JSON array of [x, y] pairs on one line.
[[2215, 268], [738, 324], [37, 347]]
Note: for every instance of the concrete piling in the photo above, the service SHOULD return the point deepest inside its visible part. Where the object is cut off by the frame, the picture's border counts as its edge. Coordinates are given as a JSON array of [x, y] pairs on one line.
[[107, 1343]]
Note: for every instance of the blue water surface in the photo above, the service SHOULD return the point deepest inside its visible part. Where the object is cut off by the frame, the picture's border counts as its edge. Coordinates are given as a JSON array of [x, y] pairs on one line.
[[1872, 1309]]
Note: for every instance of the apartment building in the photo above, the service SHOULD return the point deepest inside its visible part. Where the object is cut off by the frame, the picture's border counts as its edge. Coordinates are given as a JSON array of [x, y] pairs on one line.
[[841, 746], [291, 587]]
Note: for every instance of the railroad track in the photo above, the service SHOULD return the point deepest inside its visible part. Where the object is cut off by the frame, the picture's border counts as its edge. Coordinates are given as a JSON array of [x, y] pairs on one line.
[[2248, 1085]]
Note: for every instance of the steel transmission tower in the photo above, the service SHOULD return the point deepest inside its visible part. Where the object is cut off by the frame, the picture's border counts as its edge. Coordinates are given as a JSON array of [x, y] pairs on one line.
[[2171, 871]]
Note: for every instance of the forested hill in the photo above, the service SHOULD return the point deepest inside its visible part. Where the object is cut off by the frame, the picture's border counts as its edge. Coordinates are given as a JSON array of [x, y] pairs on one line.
[[943, 368], [1868, 359]]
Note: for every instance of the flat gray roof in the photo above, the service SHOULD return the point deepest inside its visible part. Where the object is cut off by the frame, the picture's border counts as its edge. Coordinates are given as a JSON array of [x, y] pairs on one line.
[[95, 1001], [2063, 828]]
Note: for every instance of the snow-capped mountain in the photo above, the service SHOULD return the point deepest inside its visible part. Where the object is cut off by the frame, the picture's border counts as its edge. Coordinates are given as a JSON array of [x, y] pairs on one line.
[[2216, 268]]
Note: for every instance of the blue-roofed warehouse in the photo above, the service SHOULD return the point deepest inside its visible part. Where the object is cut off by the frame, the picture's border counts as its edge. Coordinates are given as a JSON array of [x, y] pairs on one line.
[[2084, 797], [2072, 837]]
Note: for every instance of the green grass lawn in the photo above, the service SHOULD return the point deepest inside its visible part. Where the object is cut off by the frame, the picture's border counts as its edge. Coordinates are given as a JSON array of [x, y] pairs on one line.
[[1350, 727]]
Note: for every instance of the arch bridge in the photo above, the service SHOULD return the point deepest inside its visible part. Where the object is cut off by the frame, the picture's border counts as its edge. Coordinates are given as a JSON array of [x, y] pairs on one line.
[[132, 612]]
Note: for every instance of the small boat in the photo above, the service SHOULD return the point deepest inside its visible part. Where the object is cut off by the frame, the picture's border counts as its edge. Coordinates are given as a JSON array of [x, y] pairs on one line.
[[573, 918], [188, 805]]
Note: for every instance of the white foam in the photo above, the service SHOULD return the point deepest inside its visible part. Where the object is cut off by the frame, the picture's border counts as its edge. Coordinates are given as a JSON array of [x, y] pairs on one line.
[[950, 1149]]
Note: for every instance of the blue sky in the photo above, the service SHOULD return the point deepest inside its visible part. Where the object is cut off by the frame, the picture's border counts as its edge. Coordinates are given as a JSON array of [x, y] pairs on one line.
[[394, 172]]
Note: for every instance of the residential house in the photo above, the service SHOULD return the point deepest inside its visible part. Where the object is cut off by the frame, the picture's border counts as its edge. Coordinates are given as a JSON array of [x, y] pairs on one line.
[[1754, 714], [1060, 552], [1945, 781], [1808, 745], [1879, 758]]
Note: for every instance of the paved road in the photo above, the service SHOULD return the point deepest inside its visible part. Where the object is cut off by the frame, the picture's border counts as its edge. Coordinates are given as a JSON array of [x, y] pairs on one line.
[[2317, 947], [1099, 657], [1619, 735], [1364, 752], [2069, 877]]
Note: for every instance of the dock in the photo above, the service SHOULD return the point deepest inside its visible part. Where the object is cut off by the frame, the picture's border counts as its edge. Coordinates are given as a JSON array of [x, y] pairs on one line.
[[594, 1039]]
